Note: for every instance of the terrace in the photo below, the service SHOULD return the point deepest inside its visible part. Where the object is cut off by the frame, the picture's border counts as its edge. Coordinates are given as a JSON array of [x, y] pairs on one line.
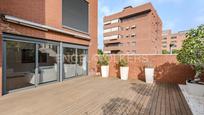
[[97, 96]]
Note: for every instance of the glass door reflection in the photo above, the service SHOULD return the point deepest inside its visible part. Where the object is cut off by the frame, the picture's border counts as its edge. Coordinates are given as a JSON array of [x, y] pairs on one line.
[[81, 62], [69, 62], [48, 63], [20, 65]]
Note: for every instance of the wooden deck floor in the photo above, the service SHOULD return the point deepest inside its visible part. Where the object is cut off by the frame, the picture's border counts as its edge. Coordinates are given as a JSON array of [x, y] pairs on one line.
[[97, 96]]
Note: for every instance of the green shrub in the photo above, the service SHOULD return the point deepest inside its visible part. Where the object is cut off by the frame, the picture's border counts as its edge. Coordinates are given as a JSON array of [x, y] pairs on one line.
[[123, 63], [192, 51], [103, 60], [165, 52]]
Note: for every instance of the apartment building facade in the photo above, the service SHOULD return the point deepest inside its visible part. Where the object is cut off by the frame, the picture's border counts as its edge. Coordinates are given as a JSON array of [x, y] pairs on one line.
[[44, 41], [135, 30], [172, 41]]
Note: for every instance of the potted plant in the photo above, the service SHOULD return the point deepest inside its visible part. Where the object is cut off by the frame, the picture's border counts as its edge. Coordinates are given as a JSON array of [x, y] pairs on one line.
[[149, 73], [192, 53], [124, 69], [104, 63]]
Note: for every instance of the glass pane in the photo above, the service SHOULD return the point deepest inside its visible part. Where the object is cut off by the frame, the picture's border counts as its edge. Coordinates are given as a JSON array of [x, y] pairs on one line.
[[81, 62], [20, 65], [69, 62], [48, 63]]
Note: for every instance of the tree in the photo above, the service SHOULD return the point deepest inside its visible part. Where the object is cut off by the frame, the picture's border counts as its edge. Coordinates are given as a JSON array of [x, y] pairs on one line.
[[165, 52], [192, 51], [175, 51], [100, 52]]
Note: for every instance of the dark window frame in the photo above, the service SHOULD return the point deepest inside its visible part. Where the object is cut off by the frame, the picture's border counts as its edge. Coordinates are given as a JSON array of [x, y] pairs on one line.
[[74, 28]]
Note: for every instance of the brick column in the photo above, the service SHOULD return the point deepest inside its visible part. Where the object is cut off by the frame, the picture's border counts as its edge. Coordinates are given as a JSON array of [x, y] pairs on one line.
[[93, 46]]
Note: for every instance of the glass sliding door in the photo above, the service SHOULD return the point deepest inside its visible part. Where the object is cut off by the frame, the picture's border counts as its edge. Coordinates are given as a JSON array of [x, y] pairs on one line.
[[48, 62], [20, 64], [69, 62], [81, 62]]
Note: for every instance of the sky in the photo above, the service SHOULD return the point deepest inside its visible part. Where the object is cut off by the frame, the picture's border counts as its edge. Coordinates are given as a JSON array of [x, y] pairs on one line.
[[177, 15]]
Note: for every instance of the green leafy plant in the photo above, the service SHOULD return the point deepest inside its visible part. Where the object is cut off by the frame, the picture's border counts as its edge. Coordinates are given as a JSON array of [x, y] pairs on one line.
[[192, 51], [165, 52], [103, 60], [123, 63], [175, 51], [100, 52]]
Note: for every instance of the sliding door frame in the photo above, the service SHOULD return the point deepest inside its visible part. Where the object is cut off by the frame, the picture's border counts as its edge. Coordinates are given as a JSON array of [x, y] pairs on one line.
[[16, 38], [76, 47], [27, 39]]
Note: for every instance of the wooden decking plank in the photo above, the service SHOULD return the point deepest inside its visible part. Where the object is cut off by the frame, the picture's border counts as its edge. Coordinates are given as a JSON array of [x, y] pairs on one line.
[[146, 100], [140, 89], [134, 88], [188, 110], [118, 91], [181, 105], [151, 101], [167, 100], [172, 100], [136, 99], [120, 101], [154, 101], [175, 106], [159, 101], [163, 104], [84, 101], [140, 100]]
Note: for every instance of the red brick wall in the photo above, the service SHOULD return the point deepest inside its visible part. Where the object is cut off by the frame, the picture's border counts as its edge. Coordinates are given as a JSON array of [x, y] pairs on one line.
[[33, 10], [93, 30], [167, 68]]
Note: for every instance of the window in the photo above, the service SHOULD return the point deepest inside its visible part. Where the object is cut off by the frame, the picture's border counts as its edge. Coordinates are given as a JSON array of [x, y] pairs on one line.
[[111, 37], [133, 35], [111, 22], [127, 28], [120, 36], [115, 21], [133, 43], [111, 29], [173, 42], [134, 51], [174, 37], [107, 23], [75, 14], [133, 27]]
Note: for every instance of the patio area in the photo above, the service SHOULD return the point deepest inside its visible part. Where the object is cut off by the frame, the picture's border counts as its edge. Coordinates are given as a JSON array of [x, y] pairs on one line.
[[97, 96]]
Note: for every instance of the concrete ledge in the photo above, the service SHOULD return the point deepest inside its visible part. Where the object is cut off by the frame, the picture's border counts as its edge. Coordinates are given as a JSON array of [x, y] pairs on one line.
[[195, 103]]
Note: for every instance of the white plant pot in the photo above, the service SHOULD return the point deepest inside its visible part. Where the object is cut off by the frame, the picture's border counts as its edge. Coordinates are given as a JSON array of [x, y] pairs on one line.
[[149, 75], [124, 73], [105, 71], [195, 89]]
